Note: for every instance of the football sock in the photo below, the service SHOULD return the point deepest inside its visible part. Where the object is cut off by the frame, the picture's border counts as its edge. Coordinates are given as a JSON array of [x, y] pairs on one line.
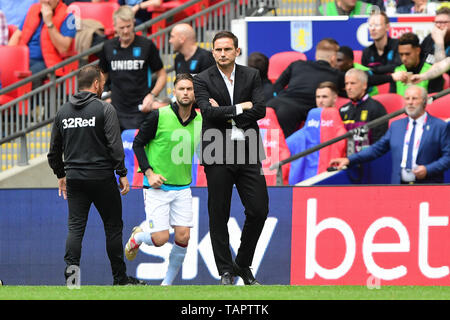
[[176, 259], [143, 237]]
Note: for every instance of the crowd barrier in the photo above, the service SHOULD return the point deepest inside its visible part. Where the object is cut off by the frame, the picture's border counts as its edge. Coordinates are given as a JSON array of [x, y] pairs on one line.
[[347, 235]]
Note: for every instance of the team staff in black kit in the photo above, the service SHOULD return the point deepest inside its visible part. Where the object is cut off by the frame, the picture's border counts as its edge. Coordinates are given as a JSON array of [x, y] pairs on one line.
[[86, 131]]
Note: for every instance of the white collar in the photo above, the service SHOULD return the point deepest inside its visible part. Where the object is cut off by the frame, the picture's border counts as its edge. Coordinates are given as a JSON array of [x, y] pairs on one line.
[[231, 76], [421, 120]]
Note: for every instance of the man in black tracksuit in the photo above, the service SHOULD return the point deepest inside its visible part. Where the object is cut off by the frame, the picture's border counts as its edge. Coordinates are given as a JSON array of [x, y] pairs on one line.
[[86, 131]]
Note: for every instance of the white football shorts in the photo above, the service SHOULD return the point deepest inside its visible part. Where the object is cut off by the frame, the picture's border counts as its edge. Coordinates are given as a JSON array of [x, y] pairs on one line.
[[165, 209]]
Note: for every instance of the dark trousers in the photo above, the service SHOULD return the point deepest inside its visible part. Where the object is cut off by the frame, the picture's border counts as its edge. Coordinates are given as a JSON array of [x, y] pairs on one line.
[[251, 186], [105, 196], [290, 113]]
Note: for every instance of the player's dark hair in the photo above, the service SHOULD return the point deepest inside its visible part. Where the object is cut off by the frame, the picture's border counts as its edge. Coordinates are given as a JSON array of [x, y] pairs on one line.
[[87, 76], [328, 84], [183, 76], [443, 10], [259, 61], [347, 52], [409, 38], [226, 34]]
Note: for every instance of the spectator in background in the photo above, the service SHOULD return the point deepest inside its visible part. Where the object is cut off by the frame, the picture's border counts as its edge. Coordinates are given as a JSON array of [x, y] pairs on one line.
[[413, 63], [48, 31], [344, 62], [139, 8], [130, 60], [362, 108], [296, 86], [418, 6], [15, 11], [381, 56], [3, 30], [436, 45], [345, 8], [384, 4], [422, 161], [190, 57], [259, 61]]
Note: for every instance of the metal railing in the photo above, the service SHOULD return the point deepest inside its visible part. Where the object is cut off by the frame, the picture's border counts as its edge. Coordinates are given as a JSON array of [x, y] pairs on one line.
[[358, 131], [25, 122]]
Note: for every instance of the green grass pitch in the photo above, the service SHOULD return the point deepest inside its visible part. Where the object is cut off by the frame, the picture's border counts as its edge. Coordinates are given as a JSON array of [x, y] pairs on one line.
[[207, 292]]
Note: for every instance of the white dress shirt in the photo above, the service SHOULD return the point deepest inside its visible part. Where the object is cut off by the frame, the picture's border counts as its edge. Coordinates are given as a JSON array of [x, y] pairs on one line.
[[236, 133], [420, 127]]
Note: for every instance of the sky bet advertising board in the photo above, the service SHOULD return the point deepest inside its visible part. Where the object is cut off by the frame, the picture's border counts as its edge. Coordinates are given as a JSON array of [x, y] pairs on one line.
[[325, 235]]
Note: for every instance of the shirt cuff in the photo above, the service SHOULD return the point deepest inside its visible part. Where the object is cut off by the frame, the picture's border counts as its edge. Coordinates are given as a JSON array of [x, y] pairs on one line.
[[239, 109]]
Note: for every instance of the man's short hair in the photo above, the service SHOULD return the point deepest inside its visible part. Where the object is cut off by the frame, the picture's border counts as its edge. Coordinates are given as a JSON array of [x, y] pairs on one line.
[[124, 13], [327, 44], [259, 61], [347, 52], [443, 10], [87, 75], [360, 74], [182, 76], [328, 84], [380, 13], [226, 34], [409, 38]]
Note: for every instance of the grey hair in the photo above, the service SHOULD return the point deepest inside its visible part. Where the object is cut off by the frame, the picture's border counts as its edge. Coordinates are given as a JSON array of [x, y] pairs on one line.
[[361, 75]]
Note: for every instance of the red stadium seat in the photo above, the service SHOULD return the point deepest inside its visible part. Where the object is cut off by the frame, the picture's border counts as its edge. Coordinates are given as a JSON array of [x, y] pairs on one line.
[[446, 80], [357, 55], [383, 88], [280, 61], [14, 66], [341, 101], [391, 101], [440, 108], [275, 147], [101, 11]]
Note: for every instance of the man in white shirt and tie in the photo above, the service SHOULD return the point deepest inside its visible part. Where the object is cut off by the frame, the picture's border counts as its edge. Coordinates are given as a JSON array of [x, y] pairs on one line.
[[419, 144]]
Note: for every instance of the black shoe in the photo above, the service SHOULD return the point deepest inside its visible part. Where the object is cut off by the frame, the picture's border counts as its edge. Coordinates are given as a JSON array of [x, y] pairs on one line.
[[246, 275], [226, 279], [129, 281]]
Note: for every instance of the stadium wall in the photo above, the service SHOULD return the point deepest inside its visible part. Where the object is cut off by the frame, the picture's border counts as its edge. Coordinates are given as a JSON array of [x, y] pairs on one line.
[[350, 235]]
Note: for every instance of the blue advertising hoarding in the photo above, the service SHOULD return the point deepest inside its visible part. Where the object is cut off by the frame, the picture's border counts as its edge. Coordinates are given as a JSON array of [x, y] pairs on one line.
[[270, 35], [33, 230]]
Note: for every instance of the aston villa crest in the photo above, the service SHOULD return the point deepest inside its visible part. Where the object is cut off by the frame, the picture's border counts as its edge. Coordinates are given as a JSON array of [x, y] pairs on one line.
[[301, 35]]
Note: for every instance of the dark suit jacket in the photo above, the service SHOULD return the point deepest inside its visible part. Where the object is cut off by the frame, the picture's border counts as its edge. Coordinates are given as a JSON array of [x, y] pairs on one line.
[[216, 128], [434, 149]]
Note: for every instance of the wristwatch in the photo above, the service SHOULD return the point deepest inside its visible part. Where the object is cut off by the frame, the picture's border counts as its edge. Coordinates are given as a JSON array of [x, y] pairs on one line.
[[50, 25]]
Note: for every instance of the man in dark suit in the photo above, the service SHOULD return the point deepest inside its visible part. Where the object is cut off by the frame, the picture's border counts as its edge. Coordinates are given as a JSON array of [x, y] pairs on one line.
[[231, 100], [420, 144]]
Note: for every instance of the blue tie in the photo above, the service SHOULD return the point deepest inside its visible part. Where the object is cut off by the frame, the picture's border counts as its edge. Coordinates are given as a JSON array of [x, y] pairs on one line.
[[410, 147]]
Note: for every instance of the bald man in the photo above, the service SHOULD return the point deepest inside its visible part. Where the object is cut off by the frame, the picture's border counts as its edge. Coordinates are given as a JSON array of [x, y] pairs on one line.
[[190, 57]]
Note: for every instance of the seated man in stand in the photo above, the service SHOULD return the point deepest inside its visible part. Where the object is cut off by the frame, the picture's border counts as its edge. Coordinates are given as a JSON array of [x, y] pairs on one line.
[[48, 30]]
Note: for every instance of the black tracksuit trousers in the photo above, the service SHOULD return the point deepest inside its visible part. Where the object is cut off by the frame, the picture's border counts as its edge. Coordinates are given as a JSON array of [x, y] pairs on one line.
[[105, 196]]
